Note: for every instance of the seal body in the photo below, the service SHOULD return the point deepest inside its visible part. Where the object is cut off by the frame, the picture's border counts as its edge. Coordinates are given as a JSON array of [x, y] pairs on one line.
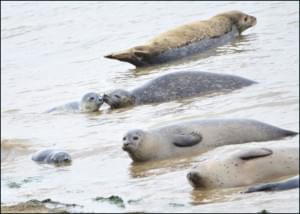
[[52, 156], [187, 39], [90, 102], [275, 186], [243, 165], [176, 85], [196, 136]]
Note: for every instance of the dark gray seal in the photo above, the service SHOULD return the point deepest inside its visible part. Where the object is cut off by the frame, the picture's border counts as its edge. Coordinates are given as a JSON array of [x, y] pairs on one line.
[[187, 39], [176, 85], [289, 183], [196, 136], [90, 102], [52, 156]]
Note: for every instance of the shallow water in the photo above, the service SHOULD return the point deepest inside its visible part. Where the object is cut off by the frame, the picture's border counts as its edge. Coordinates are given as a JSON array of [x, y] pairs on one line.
[[52, 53]]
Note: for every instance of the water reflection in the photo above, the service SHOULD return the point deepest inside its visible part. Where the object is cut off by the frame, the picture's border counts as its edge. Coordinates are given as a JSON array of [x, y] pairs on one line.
[[158, 167], [206, 196]]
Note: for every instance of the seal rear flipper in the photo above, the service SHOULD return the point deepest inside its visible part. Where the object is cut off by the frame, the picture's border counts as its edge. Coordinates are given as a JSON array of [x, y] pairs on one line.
[[186, 140], [136, 56], [284, 185], [263, 187]]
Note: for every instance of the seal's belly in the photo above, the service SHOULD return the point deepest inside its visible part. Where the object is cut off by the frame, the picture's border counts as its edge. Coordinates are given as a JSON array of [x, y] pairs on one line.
[[193, 48]]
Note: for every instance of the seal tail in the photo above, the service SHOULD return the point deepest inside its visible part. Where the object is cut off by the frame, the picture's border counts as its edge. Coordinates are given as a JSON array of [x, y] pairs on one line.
[[290, 133], [135, 56]]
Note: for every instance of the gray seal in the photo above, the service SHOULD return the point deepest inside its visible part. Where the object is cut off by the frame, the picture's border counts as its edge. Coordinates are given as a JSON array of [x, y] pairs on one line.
[[52, 156], [287, 184], [188, 39], [196, 136], [90, 102], [244, 165], [176, 85]]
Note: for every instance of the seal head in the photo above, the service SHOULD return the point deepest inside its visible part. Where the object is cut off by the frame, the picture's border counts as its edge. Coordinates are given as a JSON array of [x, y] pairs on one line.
[[133, 144], [241, 20], [59, 157], [119, 98], [91, 102]]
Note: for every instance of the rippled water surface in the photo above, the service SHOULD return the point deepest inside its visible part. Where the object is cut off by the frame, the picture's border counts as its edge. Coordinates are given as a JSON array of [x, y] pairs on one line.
[[52, 53]]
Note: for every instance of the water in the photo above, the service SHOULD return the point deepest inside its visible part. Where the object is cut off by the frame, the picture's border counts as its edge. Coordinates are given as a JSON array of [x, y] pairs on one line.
[[52, 53]]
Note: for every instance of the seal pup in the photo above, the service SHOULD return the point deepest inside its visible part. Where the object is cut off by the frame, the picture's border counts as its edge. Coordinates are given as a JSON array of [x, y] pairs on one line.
[[52, 156], [176, 85], [243, 165], [286, 184], [196, 136], [90, 102], [188, 39]]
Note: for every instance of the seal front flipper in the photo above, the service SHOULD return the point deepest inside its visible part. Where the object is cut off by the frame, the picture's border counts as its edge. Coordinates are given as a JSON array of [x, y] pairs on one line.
[[186, 140], [255, 153]]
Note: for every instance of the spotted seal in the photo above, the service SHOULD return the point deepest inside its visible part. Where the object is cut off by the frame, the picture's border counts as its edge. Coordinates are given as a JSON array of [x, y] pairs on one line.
[[188, 39], [52, 156], [90, 102], [243, 165], [176, 85], [196, 136]]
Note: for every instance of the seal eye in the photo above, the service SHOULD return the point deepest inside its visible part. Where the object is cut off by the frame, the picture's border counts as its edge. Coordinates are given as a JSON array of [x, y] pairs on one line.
[[91, 98], [117, 96], [246, 18], [124, 138], [135, 138]]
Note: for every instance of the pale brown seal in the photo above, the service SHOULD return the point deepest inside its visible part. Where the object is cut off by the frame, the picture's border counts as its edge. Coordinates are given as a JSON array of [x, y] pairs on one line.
[[187, 39], [243, 165]]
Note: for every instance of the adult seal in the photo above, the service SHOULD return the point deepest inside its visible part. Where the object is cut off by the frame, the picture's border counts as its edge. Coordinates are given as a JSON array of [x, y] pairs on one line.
[[176, 85], [286, 184], [90, 102], [196, 136], [52, 156], [243, 165], [187, 39]]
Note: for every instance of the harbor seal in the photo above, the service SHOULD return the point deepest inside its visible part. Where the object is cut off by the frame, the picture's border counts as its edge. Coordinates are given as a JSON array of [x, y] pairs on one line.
[[289, 183], [176, 85], [243, 165], [52, 156], [90, 102], [188, 39], [196, 136]]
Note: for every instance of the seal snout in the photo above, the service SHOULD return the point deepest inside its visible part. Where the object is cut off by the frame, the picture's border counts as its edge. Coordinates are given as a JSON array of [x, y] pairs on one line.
[[254, 20], [126, 146], [195, 179], [106, 98]]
